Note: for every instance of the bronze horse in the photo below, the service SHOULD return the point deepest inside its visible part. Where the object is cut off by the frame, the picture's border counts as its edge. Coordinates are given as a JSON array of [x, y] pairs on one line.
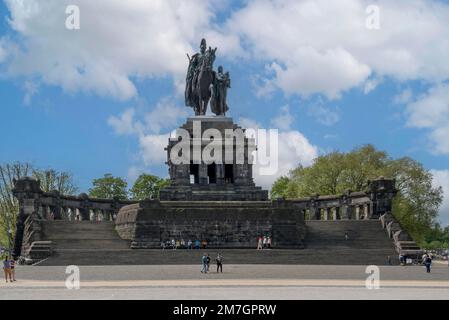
[[205, 80]]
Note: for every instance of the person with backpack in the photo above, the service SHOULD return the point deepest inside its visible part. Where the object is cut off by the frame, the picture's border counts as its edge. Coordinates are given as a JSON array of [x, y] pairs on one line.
[[219, 261]]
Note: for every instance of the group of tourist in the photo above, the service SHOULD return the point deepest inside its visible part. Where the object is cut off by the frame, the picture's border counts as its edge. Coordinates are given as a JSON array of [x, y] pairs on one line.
[[263, 242], [205, 263], [182, 244], [9, 268], [426, 261]]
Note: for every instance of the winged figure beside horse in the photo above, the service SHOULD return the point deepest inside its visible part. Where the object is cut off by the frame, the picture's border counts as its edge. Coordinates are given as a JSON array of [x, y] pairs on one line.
[[203, 84]]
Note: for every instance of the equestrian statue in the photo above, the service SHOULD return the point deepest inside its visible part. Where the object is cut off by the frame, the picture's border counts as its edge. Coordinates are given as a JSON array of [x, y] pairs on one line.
[[203, 84]]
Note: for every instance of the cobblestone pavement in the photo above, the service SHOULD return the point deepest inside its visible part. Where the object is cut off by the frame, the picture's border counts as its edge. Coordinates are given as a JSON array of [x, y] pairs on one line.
[[237, 282]]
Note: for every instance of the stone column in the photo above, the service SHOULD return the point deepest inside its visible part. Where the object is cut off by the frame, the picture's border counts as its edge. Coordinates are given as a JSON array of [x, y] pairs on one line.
[[314, 213], [357, 212], [327, 213], [336, 213], [202, 174], [366, 211], [220, 173], [345, 212]]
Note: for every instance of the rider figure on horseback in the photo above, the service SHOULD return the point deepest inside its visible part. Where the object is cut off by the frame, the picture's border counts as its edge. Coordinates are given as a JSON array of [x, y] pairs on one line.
[[203, 83], [195, 63]]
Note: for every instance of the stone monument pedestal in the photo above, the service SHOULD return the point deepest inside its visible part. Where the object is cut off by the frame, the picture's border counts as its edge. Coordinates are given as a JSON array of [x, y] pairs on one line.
[[212, 196]]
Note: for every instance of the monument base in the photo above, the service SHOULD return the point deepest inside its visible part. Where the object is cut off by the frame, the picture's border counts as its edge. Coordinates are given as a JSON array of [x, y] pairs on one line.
[[230, 224]]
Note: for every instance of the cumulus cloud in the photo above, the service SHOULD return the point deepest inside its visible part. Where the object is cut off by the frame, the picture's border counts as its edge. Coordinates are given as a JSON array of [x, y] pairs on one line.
[[321, 46], [309, 46], [327, 116], [284, 120], [403, 97], [117, 41], [431, 112], [152, 131], [292, 146], [441, 178], [123, 124]]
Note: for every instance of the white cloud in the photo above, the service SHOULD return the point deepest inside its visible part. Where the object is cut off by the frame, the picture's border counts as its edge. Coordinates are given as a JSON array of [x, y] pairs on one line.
[[321, 46], [163, 118], [441, 178], [309, 46], [403, 97], [293, 148], [123, 124], [284, 120], [327, 116], [152, 148], [117, 41], [431, 112], [30, 88], [166, 115]]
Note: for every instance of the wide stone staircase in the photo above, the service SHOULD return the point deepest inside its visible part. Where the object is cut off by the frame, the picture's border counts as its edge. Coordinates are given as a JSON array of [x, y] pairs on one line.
[[90, 243], [82, 235], [367, 242]]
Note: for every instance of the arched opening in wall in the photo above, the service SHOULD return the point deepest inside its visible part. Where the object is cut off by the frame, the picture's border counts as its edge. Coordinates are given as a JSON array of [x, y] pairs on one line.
[[229, 173], [212, 173], [194, 173]]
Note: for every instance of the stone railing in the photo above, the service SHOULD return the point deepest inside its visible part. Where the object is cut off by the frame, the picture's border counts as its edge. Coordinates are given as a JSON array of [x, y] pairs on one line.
[[39, 205], [369, 204], [403, 242]]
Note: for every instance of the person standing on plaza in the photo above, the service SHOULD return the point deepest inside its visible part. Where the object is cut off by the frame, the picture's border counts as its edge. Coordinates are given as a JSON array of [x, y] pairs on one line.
[[219, 261], [7, 268], [428, 263], [13, 270], [259, 243], [204, 263], [207, 262]]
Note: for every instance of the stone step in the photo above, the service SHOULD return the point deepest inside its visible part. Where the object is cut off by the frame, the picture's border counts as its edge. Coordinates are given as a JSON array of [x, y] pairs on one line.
[[87, 243], [231, 256]]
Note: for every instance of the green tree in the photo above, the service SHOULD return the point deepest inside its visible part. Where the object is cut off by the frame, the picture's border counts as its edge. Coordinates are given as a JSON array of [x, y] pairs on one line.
[[279, 188], [147, 186], [50, 180], [109, 187], [9, 207], [415, 206]]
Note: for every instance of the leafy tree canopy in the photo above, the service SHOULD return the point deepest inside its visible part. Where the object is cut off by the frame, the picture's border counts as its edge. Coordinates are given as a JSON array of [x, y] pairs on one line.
[[415, 206], [147, 186], [109, 187]]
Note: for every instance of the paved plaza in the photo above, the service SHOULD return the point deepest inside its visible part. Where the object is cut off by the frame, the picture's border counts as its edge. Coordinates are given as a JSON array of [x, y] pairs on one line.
[[237, 282]]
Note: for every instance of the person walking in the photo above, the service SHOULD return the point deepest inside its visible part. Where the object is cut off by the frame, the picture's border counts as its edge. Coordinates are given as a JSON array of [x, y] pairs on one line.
[[189, 244], [428, 263], [219, 261], [269, 242], [259, 243], [7, 268], [204, 263], [13, 270], [207, 262], [264, 242]]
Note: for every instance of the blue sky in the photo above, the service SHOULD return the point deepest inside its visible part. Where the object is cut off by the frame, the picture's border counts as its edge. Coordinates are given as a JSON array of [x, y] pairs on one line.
[[84, 100]]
